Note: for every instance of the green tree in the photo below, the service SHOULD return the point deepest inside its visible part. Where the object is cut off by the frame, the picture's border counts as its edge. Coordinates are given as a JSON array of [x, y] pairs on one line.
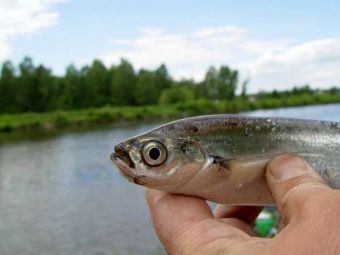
[[334, 90], [227, 83], [25, 88], [302, 90], [97, 85], [57, 97], [87, 91], [176, 94], [42, 90], [34, 87], [73, 91], [219, 84], [123, 84], [146, 91], [210, 86], [162, 78], [244, 88], [7, 87]]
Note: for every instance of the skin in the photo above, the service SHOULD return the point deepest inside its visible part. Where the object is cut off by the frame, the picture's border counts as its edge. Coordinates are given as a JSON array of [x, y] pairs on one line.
[[310, 212]]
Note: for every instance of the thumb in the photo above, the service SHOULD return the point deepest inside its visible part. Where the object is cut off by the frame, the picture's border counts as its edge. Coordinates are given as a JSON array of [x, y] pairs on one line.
[[295, 186]]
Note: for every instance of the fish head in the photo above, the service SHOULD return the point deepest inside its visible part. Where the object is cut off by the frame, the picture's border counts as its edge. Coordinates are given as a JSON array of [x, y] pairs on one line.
[[160, 160]]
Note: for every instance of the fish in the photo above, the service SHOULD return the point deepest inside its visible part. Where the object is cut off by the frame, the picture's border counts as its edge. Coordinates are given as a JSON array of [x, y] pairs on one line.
[[222, 158]]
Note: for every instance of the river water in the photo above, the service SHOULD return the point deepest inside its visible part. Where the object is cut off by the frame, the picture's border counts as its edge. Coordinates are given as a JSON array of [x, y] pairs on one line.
[[61, 194]]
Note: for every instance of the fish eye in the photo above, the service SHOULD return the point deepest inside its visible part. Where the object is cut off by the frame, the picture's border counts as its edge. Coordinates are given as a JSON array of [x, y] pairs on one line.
[[154, 153]]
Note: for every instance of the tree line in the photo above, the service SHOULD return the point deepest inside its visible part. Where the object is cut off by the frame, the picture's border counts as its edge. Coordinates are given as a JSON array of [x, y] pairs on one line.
[[30, 88]]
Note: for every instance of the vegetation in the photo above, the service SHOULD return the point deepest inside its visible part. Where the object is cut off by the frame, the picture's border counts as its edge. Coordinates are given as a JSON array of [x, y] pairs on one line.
[[106, 115], [32, 97], [30, 88]]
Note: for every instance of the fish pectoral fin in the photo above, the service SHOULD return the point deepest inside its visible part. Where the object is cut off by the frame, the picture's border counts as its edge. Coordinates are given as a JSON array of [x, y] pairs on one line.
[[244, 172], [255, 163], [227, 162]]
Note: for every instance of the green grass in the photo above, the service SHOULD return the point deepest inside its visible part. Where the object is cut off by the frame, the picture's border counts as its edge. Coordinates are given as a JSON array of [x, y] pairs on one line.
[[109, 115], [60, 119]]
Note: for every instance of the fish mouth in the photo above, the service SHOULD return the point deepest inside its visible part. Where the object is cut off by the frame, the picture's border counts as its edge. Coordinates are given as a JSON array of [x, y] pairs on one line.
[[125, 165], [123, 155]]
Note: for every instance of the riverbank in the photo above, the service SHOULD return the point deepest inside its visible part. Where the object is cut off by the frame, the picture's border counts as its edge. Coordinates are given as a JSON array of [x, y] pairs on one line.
[[109, 115]]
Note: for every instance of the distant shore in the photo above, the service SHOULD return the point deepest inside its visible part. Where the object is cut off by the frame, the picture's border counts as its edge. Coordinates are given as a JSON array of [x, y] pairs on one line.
[[22, 122]]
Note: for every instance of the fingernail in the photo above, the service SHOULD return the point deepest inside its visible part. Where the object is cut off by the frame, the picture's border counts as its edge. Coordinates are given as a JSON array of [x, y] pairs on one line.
[[287, 167]]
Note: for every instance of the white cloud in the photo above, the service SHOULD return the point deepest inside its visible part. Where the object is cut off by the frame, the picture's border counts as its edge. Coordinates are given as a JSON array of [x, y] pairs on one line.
[[316, 62], [271, 64], [22, 17]]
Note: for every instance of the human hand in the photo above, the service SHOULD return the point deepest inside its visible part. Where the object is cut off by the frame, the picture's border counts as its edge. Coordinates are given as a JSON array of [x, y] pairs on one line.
[[310, 213]]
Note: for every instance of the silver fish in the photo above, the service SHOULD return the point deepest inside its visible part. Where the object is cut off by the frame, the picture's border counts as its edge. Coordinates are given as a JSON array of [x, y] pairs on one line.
[[222, 158]]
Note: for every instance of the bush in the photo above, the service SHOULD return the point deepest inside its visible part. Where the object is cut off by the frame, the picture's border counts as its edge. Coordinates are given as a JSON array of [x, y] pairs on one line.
[[176, 94]]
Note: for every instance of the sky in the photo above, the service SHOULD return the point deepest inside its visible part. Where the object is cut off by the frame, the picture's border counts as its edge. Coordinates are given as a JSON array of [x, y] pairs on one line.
[[274, 44]]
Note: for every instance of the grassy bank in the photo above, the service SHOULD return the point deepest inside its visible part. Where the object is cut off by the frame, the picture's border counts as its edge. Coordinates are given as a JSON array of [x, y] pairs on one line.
[[108, 115]]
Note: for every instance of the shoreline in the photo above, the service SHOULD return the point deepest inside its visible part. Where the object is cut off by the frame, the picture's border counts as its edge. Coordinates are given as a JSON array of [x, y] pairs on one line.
[[106, 116]]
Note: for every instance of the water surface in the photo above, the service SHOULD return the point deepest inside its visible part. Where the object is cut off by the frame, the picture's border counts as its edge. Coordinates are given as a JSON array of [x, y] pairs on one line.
[[61, 194]]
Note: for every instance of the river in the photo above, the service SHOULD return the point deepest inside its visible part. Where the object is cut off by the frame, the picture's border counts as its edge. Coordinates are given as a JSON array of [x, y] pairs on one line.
[[60, 195]]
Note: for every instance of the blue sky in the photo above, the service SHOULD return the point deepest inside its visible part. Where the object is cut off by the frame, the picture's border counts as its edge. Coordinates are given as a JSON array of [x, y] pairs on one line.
[[277, 44]]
